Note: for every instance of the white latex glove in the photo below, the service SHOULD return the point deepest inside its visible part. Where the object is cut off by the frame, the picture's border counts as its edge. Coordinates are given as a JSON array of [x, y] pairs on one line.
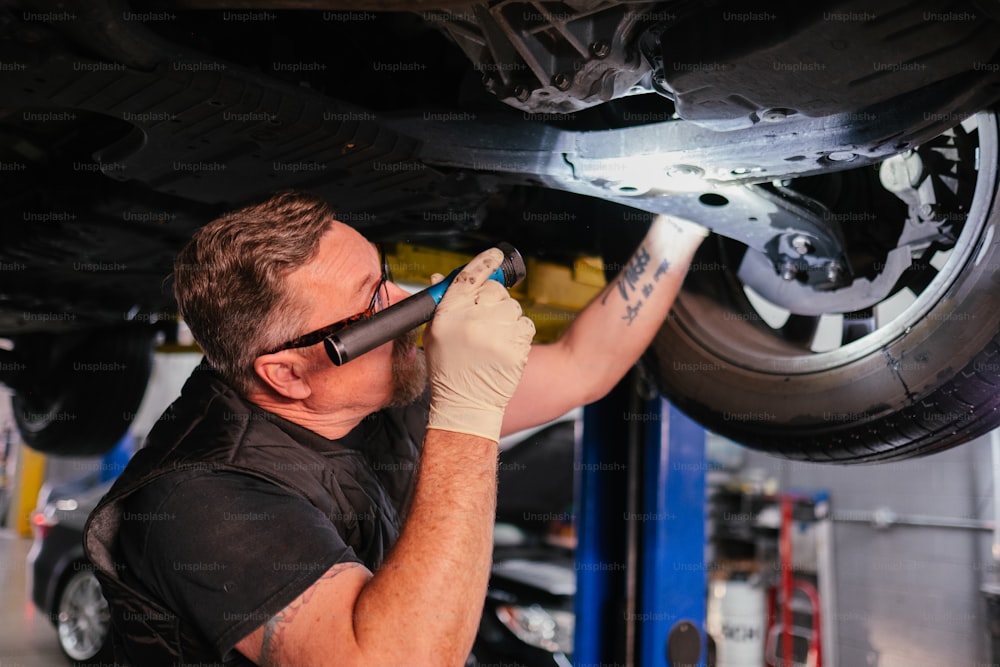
[[476, 347]]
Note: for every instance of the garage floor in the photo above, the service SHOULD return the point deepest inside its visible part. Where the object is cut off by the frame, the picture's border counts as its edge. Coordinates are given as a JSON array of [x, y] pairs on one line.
[[27, 639]]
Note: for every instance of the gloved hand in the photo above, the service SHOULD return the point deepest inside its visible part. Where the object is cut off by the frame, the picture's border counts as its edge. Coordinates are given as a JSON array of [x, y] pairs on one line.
[[476, 348]]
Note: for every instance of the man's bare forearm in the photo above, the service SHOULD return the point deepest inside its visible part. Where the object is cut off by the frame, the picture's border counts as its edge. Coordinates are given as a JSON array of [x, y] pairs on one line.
[[614, 330], [431, 588], [610, 333]]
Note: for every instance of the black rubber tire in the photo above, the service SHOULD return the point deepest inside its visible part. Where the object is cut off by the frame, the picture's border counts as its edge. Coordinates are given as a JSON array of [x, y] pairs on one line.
[[927, 382], [85, 389]]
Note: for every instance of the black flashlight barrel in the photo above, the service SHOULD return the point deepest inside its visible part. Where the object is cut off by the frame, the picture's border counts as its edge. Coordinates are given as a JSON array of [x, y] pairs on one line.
[[394, 321], [380, 328]]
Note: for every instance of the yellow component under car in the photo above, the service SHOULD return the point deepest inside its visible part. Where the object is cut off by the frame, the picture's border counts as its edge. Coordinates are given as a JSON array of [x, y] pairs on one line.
[[551, 294]]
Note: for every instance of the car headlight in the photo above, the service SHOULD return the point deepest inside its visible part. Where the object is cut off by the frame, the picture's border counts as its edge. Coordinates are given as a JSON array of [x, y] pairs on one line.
[[548, 629]]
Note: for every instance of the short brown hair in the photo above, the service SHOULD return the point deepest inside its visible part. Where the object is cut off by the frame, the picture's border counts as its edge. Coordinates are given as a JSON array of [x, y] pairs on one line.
[[229, 280]]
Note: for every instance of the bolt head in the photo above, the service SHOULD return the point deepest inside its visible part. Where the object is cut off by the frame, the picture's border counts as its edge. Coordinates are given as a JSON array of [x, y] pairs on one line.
[[562, 81], [834, 272], [841, 156], [789, 271], [802, 245], [774, 115], [600, 49], [684, 170]]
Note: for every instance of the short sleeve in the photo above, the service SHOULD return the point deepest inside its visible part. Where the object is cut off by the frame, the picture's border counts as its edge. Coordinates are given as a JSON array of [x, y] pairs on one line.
[[227, 551]]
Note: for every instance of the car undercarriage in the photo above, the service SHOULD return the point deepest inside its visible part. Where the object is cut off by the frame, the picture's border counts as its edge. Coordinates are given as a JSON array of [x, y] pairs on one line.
[[843, 153]]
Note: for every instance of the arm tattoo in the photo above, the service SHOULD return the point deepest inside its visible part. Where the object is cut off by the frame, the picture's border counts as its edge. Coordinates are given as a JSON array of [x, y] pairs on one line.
[[274, 629], [634, 282]]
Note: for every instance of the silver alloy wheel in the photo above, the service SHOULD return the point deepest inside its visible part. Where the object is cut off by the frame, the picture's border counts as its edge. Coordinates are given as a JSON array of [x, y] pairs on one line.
[[83, 617], [779, 352], [919, 379]]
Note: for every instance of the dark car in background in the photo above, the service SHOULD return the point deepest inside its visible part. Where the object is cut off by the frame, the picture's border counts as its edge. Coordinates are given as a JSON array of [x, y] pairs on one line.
[[528, 618], [63, 586]]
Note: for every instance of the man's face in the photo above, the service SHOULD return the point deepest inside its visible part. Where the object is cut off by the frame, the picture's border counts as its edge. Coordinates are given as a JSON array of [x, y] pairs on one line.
[[338, 283]]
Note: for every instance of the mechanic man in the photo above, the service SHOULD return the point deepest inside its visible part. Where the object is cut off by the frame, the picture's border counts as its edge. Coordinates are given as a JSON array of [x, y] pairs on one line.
[[287, 511]]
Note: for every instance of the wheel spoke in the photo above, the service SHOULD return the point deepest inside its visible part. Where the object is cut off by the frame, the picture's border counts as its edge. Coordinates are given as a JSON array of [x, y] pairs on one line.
[[84, 618]]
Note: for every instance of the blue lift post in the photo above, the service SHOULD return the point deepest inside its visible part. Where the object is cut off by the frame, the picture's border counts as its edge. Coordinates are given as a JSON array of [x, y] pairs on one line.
[[674, 573], [664, 603], [601, 487]]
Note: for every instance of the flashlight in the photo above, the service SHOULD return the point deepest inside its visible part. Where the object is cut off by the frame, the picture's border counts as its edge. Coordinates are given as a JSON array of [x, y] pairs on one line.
[[394, 321]]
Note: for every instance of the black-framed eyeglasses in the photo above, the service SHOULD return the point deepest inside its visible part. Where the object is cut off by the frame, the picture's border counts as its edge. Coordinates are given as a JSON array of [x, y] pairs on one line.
[[320, 335]]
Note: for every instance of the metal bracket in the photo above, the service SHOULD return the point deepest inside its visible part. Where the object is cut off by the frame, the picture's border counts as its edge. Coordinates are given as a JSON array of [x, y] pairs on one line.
[[799, 244], [639, 168]]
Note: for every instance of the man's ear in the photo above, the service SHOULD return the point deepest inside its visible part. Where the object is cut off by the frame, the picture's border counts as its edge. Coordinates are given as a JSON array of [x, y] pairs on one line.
[[284, 373]]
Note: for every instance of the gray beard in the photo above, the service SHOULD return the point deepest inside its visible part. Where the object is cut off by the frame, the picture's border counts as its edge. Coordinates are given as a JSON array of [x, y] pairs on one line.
[[409, 378]]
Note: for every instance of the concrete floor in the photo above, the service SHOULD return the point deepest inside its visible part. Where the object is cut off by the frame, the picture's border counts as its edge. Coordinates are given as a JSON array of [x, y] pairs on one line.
[[27, 639]]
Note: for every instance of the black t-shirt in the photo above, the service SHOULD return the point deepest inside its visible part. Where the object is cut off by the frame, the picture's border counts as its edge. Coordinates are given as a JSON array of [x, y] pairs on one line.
[[267, 547], [229, 513], [226, 551]]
